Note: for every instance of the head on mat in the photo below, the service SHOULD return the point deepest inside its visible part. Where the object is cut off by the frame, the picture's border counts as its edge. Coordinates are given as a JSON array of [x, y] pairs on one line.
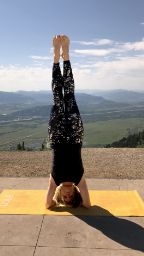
[[68, 195]]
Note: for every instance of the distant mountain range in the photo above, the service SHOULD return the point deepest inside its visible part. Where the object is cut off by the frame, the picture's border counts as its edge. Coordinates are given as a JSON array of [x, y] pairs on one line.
[[15, 98], [31, 104], [83, 97], [118, 95], [46, 98]]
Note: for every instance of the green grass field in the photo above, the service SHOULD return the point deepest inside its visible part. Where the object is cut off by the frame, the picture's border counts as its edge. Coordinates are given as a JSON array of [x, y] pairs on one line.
[[104, 132], [96, 133]]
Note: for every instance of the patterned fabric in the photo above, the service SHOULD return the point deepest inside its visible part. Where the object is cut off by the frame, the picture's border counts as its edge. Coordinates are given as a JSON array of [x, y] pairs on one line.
[[65, 123]]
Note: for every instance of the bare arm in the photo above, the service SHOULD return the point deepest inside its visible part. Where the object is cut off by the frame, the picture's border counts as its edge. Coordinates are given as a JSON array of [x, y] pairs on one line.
[[50, 193], [84, 193]]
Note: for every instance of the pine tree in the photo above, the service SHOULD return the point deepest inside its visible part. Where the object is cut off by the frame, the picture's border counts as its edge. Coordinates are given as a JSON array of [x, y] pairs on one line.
[[19, 147]]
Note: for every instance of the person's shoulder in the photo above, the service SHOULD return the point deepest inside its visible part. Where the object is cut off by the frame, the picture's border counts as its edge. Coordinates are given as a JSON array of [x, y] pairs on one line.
[[52, 181], [84, 192], [82, 181]]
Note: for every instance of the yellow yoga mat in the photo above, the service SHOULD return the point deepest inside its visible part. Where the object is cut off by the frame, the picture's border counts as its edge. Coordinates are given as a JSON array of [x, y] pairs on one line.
[[104, 203]]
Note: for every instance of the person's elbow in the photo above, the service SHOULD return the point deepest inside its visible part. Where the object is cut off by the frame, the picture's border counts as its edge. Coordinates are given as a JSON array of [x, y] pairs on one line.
[[48, 205], [86, 204]]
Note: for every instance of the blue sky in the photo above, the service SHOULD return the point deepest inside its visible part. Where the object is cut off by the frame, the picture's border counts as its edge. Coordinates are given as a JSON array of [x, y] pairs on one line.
[[107, 43]]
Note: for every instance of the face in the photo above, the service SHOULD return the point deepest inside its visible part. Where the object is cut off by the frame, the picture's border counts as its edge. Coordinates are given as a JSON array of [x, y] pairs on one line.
[[67, 193]]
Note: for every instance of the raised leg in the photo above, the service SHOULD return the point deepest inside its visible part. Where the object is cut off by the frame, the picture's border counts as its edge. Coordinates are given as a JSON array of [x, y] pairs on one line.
[[74, 124], [56, 125]]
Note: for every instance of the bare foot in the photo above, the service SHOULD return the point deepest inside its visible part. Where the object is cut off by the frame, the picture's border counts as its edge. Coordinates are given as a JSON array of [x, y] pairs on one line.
[[57, 46], [65, 42]]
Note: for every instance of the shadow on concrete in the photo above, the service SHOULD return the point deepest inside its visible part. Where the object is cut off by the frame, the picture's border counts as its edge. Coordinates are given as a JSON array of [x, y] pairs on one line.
[[123, 231]]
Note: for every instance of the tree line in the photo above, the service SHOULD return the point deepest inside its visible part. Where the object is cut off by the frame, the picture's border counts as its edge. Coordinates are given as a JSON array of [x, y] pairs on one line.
[[21, 146], [132, 141]]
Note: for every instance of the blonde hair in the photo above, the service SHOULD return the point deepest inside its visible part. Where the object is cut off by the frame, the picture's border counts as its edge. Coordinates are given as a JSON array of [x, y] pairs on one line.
[[75, 202]]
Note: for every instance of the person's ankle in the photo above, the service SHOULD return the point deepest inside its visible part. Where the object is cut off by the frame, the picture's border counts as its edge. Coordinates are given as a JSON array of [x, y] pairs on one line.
[[56, 56], [56, 59], [65, 56]]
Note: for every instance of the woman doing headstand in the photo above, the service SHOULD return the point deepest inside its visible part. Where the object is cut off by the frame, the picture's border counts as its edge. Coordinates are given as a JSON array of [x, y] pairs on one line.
[[67, 184]]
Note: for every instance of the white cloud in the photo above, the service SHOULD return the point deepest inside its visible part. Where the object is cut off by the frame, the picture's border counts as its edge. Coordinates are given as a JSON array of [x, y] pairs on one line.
[[111, 67], [13, 78], [135, 46], [142, 23], [96, 42], [40, 58], [117, 48], [124, 73], [84, 42], [92, 52], [104, 41], [98, 52]]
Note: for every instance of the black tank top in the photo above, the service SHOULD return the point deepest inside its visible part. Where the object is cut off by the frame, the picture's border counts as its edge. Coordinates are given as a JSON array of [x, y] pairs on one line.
[[67, 163]]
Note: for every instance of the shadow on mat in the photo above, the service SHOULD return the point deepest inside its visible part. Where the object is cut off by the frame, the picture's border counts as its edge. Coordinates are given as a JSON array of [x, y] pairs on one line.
[[123, 231]]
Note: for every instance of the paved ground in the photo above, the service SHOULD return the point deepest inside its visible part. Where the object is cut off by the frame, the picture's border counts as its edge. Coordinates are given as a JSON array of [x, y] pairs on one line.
[[32, 235]]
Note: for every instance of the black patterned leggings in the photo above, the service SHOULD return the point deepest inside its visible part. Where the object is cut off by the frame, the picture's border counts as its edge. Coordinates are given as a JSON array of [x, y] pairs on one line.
[[65, 123]]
